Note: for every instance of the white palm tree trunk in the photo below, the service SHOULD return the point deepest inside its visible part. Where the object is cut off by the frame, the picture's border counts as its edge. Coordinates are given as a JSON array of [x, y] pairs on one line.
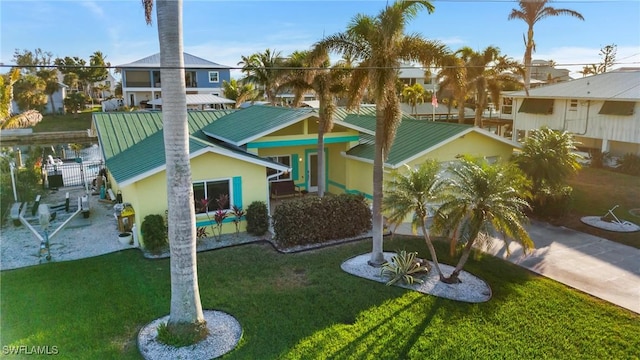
[[185, 295]]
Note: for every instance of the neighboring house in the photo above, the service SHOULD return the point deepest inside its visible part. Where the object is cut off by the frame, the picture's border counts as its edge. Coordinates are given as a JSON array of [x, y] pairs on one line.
[[545, 72], [410, 75], [426, 111], [141, 81], [242, 151], [107, 87], [602, 111], [57, 107]]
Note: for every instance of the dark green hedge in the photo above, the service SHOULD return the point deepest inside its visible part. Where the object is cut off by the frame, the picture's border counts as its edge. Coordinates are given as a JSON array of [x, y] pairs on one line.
[[311, 220]]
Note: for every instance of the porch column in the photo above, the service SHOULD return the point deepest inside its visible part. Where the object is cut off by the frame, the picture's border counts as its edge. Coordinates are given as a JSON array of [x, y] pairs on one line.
[[605, 145]]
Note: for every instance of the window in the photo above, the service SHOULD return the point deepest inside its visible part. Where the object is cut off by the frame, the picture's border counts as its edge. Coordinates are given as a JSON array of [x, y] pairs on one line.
[[284, 160], [573, 105], [536, 106], [507, 105], [211, 190], [107, 83], [213, 77], [617, 108]]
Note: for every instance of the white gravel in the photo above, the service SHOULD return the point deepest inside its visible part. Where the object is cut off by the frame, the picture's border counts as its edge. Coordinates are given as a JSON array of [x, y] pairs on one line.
[[78, 239], [472, 289], [224, 334]]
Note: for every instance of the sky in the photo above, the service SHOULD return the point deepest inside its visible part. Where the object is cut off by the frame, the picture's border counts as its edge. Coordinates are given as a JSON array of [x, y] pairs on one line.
[[224, 31]]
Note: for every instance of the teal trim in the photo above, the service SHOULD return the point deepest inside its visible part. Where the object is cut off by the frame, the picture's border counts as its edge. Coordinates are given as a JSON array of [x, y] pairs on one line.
[[366, 196], [208, 222], [295, 160], [326, 165], [301, 142], [237, 191], [338, 185]]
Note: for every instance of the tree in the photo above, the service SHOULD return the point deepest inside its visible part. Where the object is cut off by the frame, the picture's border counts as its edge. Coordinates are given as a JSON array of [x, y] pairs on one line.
[[481, 200], [75, 102], [6, 93], [186, 319], [264, 69], [453, 78], [414, 192], [97, 70], [414, 95], [29, 93], [532, 11], [38, 63], [239, 92], [310, 71], [380, 45], [548, 159]]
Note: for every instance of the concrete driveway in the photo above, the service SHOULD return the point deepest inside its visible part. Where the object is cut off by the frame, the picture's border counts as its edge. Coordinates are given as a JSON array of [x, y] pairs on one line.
[[596, 266]]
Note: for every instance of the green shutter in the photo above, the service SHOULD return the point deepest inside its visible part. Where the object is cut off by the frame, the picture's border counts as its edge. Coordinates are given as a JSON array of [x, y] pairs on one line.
[[295, 162], [237, 191]]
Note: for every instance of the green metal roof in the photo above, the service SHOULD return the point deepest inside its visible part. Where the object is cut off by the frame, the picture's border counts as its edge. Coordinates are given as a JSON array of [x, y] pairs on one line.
[[255, 122], [412, 138], [133, 142], [119, 131]]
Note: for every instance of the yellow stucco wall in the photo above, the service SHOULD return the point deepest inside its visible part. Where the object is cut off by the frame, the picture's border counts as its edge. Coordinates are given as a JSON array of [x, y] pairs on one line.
[[473, 144], [149, 196], [360, 174]]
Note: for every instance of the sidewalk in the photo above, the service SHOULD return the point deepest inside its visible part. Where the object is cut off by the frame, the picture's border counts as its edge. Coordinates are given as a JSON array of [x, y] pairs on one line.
[[596, 266]]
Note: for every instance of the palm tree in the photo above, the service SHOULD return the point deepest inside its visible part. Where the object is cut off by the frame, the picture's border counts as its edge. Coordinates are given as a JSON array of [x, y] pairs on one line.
[[239, 92], [50, 78], [532, 11], [380, 45], [264, 69], [414, 95], [414, 192], [453, 78], [186, 317], [482, 200], [6, 95], [310, 71], [548, 158]]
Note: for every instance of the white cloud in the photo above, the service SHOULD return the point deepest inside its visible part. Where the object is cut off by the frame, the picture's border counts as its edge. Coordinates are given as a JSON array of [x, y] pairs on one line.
[[93, 7]]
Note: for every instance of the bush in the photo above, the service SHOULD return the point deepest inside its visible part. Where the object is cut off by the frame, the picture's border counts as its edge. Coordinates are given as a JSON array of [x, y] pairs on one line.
[[257, 218], [311, 219], [154, 232], [599, 159], [629, 164], [553, 202]]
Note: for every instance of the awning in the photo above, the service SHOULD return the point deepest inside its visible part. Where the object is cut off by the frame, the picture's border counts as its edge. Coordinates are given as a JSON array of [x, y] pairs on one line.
[[198, 99], [624, 108], [536, 106]]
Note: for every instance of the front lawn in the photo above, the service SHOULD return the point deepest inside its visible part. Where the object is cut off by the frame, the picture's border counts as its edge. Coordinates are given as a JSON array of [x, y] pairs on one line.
[[66, 122], [597, 190], [304, 306]]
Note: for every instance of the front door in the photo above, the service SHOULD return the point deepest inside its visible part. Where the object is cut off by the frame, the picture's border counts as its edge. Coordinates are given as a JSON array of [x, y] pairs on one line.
[[312, 172]]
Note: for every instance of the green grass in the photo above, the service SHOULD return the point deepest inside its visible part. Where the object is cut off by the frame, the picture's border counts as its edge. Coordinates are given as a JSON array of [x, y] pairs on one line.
[[302, 306], [66, 122]]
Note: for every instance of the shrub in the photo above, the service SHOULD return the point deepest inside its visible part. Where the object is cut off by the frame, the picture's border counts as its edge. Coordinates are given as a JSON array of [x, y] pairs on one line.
[[154, 232], [311, 219], [257, 218], [599, 159], [404, 266], [553, 202], [629, 164]]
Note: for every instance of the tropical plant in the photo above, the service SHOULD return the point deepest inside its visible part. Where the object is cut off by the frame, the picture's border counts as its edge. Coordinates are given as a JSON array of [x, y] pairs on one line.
[[413, 95], [380, 45], [220, 214], [264, 69], [482, 200], [404, 266], [548, 158], [238, 213], [6, 93], [75, 102], [239, 92], [29, 93], [599, 159], [186, 318], [532, 11], [414, 192]]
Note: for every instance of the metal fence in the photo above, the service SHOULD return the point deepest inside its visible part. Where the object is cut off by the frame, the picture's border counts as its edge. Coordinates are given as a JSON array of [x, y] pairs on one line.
[[71, 173]]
